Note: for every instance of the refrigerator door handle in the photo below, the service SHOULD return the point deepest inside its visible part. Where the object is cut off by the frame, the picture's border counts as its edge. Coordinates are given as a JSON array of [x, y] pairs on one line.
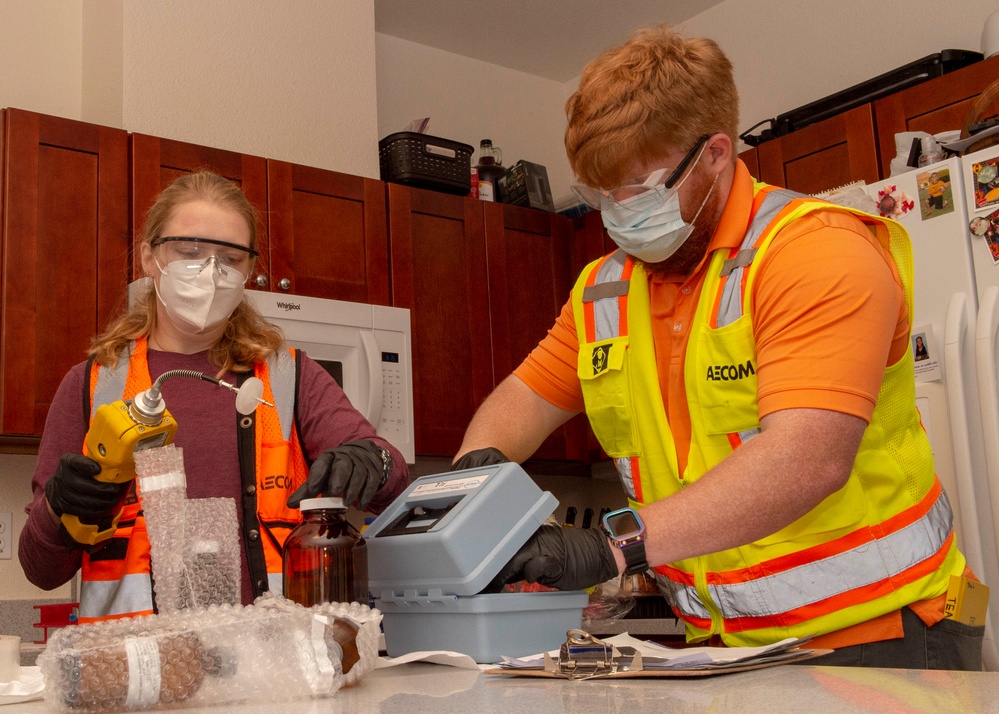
[[955, 330], [985, 353]]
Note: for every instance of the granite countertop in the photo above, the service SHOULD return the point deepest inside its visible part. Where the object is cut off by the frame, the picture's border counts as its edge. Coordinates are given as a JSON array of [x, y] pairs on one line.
[[422, 688]]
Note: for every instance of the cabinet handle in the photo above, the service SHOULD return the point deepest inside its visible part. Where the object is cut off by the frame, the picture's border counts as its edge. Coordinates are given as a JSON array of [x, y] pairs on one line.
[[261, 281], [284, 283]]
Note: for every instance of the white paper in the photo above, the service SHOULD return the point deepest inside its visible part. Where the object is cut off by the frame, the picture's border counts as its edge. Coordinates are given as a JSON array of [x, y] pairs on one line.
[[28, 686], [452, 659]]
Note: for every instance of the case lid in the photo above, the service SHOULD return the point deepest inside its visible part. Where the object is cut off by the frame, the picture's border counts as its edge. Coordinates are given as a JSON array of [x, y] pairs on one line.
[[452, 533]]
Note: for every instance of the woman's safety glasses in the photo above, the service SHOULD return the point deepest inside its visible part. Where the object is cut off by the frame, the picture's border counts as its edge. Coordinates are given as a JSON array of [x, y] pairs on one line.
[[197, 250], [642, 192]]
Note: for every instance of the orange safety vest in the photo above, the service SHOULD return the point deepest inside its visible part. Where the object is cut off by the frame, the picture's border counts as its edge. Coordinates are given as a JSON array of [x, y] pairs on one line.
[[116, 580], [881, 542]]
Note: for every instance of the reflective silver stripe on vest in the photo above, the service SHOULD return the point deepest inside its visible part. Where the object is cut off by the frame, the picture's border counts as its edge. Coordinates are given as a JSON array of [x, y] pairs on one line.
[[730, 305], [281, 366], [100, 598], [110, 385], [275, 583], [813, 582], [606, 316], [623, 465]]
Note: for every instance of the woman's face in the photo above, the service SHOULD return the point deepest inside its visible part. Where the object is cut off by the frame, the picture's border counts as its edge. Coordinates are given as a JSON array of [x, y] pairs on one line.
[[197, 219]]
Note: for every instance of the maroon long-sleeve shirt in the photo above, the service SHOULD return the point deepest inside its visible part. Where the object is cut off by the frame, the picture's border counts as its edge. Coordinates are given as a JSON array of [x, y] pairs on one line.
[[206, 430]]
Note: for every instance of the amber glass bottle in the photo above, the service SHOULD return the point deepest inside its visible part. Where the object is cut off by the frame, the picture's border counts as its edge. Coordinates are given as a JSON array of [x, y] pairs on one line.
[[324, 558]]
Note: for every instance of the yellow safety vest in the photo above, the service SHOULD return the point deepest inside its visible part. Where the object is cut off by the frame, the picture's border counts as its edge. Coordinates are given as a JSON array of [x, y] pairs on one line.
[[115, 580], [881, 542]]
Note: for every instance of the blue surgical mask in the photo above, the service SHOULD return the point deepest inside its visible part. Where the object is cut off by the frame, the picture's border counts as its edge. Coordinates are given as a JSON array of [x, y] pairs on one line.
[[652, 234]]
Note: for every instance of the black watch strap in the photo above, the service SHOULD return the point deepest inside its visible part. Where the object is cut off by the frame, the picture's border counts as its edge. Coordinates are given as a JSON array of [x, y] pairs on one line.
[[634, 557]]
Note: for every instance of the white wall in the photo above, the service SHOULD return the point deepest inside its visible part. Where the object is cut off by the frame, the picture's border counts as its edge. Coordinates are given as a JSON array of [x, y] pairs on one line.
[[468, 100], [290, 80], [788, 53], [40, 45]]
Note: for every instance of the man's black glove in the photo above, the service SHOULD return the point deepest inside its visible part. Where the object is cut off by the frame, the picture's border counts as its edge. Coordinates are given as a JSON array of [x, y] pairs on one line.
[[354, 470], [74, 490], [480, 457], [561, 558]]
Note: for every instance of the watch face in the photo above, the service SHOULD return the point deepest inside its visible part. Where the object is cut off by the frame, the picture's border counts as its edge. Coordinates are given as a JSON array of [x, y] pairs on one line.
[[623, 524]]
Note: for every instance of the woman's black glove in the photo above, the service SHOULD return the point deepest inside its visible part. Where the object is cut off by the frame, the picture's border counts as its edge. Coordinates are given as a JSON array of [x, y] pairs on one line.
[[74, 490], [480, 457], [354, 470], [561, 558]]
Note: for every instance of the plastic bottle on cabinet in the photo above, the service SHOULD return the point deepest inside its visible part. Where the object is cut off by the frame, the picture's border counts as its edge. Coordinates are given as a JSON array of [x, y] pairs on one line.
[[324, 558], [489, 170]]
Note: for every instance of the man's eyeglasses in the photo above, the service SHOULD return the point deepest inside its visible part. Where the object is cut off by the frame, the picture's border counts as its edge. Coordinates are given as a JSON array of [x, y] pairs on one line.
[[194, 249], [641, 192]]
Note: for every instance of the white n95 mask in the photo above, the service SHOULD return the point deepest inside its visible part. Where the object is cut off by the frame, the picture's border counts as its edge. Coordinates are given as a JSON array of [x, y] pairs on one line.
[[654, 233], [199, 294]]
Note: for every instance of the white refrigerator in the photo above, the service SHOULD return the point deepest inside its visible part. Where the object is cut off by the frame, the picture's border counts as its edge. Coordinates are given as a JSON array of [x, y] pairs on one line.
[[956, 257]]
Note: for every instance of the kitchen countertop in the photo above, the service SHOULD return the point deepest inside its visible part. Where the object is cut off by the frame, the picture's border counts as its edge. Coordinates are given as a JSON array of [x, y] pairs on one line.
[[422, 688]]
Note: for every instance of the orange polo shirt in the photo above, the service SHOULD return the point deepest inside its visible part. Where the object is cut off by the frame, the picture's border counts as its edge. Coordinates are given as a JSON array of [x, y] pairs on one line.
[[829, 316]]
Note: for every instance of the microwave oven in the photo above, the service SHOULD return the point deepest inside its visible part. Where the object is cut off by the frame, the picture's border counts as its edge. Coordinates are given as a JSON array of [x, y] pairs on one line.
[[366, 348]]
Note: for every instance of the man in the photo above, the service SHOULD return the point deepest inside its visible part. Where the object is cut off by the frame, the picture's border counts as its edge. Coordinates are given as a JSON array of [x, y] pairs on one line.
[[745, 358]]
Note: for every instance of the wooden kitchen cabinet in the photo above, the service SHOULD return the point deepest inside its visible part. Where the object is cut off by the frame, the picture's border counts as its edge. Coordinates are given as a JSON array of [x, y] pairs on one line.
[[936, 105], [438, 270], [327, 234], [155, 162], [824, 155], [751, 158], [530, 276], [64, 223]]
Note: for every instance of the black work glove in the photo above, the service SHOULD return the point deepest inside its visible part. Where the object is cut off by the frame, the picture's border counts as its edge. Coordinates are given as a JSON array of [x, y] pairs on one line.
[[73, 489], [480, 457], [354, 470], [561, 558]]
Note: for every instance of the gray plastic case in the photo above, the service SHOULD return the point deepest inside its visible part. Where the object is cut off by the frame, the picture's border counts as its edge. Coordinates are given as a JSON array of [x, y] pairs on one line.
[[434, 549]]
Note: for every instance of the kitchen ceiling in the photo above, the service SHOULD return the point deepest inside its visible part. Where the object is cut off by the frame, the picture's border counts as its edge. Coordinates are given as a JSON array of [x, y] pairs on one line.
[[553, 39]]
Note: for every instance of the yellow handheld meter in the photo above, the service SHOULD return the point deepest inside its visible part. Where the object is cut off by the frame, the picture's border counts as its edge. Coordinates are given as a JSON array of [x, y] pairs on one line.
[[117, 431], [115, 436]]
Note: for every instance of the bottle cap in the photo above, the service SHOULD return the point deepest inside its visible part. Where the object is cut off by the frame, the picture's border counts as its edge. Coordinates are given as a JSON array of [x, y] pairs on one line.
[[315, 504]]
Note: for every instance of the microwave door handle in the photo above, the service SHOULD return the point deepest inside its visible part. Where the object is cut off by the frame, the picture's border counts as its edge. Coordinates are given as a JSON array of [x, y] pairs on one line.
[[372, 411]]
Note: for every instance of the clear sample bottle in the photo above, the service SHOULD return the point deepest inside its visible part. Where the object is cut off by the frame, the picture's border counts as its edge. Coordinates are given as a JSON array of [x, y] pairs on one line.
[[324, 558]]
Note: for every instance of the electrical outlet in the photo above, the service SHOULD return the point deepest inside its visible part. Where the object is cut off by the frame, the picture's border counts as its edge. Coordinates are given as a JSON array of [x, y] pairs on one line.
[[6, 536]]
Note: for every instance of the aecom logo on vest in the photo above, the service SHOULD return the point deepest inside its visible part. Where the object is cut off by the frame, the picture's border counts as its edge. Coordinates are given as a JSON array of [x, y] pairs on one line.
[[730, 372]]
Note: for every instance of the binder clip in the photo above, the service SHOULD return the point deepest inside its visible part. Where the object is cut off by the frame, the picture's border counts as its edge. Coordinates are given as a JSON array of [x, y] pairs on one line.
[[583, 656]]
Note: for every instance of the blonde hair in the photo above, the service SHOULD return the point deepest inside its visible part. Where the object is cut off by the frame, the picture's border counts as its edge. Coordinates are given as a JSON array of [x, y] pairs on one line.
[[657, 92], [247, 336]]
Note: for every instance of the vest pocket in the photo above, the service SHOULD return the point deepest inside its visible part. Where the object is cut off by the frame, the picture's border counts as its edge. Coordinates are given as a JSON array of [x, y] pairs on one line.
[[725, 378], [604, 376]]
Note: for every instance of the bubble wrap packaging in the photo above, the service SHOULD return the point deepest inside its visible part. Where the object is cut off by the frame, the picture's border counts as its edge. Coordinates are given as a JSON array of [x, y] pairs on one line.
[[194, 544], [273, 650]]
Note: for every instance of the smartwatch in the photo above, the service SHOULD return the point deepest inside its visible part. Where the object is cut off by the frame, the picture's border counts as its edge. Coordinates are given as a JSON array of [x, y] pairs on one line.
[[627, 532]]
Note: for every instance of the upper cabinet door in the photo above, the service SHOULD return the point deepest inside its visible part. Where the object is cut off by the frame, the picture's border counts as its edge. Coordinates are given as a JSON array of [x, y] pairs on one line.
[[438, 259], [941, 104], [328, 234], [156, 162], [64, 219], [824, 155]]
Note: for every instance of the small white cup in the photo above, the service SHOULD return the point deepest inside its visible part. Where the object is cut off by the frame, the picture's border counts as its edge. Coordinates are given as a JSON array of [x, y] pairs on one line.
[[10, 658]]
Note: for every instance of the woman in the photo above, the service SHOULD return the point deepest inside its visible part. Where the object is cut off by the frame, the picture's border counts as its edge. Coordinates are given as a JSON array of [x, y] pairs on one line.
[[199, 247]]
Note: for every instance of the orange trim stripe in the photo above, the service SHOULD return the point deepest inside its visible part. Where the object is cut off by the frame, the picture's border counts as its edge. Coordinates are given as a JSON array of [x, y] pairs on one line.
[[622, 301], [636, 479]]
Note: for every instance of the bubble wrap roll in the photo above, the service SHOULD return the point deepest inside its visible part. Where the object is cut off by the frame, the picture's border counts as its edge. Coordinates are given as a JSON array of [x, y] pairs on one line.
[[161, 485], [273, 650]]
